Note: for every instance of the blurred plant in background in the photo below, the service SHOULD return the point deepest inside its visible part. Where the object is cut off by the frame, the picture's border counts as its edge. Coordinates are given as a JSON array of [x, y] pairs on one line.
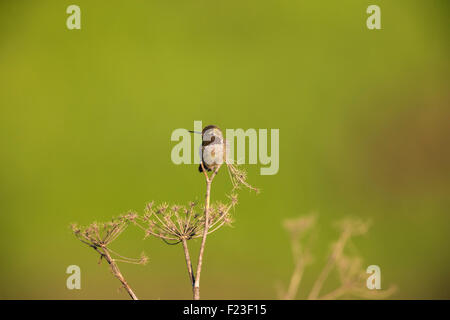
[[352, 275]]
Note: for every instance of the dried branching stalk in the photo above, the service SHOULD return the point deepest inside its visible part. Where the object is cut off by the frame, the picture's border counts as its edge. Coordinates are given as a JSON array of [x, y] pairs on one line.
[[348, 228], [100, 236], [352, 275]]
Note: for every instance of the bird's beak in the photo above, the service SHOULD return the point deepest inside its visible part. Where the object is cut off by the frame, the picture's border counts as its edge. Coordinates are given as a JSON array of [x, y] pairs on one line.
[[194, 132]]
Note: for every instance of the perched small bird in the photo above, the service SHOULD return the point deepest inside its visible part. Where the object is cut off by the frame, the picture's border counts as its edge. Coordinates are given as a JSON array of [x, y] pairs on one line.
[[212, 151]]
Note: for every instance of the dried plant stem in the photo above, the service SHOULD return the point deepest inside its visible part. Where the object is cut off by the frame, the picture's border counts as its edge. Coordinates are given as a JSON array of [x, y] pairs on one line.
[[205, 230], [188, 262], [116, 271]]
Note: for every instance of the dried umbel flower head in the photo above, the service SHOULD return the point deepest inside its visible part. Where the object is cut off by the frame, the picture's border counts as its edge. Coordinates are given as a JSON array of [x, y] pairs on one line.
[[143, 259], [176, 223], [238, 177], [100, 236]]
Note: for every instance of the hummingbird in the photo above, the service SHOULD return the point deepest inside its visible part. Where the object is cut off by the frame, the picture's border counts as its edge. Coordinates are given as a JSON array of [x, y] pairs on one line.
[[212, 151]]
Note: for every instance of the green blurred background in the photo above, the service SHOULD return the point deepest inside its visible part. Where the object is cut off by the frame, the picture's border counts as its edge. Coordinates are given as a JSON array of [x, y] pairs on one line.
[[86, 118]]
